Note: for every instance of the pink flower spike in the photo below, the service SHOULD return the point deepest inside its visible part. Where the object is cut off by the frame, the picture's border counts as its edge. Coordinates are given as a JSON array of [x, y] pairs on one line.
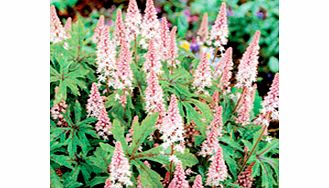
[[219, 31], [152, 60], [120, 30], [67, 27], [227, 63], [103, 125], [211, 144], [271, 101], [95, 103], [217, 122], [57, 112], [179, 179], [119, 168], [57, 31], [154, 95], [172, 128], [270, 104], [150, 24], [133, 20], [165, 38], [202, 75], [173, 49], [217, 170], [197, 182], [130, 133], [215, 99], [123, 76], [247, 69], [203, 30], [105, 59], [98, 29], [245, 178], [246, 106]]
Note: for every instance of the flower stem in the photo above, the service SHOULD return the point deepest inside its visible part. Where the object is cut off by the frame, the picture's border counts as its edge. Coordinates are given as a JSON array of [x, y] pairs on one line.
[[170, 166], [240, 99], [253, 149]]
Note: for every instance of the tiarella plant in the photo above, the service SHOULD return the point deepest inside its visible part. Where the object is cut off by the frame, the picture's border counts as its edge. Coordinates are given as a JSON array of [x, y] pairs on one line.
[[130, 109]]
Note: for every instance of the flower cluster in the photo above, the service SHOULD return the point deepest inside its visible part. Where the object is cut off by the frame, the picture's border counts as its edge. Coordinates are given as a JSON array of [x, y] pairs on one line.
[[67, 27], [120, 35], [123, 76], [247, 70], [150, 24], [103, 125], [57, 112], [95, 103], [247, 100], [154, 95], [105, 59], [173, 49], [219, 31], [225, 74], [98, 30], [133, 20], [217, 122], [202, 75], [245, 178], [217, 170], [203, 30], [211, 145], [179, 179], [270, 104], [152, 59], [57, 32], [119, 169], [197, 182], [172, 128], [165, 38]]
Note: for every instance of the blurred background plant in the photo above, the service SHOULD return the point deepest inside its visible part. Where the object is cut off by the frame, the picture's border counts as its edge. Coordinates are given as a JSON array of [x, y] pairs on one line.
[[244, 16]]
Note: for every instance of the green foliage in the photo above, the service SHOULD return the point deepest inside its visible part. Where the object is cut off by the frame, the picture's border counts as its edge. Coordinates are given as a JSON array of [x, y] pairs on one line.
[[63, 4]]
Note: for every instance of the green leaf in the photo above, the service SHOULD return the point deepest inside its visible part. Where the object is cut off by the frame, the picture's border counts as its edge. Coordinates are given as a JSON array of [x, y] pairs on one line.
[[257, 104], [118, 134], [187, 158], [61, 93], [156, 154], [204, 108], [72, 142], [107, 147], [98, 180], [197, 118], [149, 177], [270, 146], [141, 132], [55, 181], [182, 25], [273, 64], [232, 143], [83, 142], [62, 160], [232, 165], [101, 158], [77, 111]]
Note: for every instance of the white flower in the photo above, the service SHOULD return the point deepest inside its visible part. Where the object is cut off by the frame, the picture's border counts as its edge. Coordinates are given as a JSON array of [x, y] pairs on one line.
[[268, 139], [174, 159]]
